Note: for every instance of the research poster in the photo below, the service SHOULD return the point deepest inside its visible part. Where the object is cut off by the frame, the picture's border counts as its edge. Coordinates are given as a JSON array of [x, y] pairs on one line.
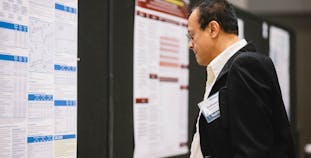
[[38, 76], [161, 78], [280, 55], [241, 28]]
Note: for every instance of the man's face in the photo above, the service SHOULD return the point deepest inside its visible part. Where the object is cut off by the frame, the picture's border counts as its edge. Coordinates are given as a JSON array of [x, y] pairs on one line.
[[200, 40]]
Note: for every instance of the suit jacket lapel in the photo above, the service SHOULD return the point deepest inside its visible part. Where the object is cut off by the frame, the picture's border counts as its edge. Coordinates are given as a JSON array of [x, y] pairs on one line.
[[248, 48]]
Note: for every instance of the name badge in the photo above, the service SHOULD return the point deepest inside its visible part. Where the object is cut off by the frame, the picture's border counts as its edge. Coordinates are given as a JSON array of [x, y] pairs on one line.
[[210, 108]]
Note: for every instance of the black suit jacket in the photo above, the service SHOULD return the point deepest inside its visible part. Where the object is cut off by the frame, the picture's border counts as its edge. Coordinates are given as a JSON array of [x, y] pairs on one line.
[[253, 121]]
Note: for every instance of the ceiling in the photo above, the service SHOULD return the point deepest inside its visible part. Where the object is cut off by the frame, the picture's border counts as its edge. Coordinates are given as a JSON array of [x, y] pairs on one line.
[[274, 6]]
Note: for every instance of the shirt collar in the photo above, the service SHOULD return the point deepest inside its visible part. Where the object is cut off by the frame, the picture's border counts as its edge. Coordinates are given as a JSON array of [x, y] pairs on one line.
[[218, 63]]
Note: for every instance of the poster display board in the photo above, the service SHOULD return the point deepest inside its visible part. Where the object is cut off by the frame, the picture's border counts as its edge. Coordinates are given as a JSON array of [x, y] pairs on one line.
[[280, 54], [161, 78], [38, 76]]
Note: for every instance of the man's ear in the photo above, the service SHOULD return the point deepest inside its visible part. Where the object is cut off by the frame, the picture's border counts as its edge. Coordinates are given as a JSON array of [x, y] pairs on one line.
[[214, 28]]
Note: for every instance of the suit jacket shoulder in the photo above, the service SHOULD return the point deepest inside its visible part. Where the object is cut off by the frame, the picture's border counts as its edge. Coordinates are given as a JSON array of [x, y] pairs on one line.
[[253, 121]]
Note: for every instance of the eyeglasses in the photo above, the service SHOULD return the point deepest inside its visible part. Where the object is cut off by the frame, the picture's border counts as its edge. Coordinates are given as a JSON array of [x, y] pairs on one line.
[[189, 36]]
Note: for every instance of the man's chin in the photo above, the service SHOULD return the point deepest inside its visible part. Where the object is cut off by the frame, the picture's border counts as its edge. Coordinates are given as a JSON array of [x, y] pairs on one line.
[[201, 63]]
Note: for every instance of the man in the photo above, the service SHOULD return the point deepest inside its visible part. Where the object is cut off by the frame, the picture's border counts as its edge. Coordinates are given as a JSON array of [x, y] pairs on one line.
[[242, 114]]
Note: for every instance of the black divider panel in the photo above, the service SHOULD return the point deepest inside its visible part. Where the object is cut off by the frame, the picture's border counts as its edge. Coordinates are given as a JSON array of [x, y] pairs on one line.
[[121, 78], [93, 79]]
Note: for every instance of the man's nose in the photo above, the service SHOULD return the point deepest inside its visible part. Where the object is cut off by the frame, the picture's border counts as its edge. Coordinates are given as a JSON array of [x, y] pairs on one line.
[[190, 44]]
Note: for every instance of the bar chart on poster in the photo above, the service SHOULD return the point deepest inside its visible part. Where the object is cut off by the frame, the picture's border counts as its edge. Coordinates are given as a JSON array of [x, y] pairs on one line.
[[38, 77], [161, 78]]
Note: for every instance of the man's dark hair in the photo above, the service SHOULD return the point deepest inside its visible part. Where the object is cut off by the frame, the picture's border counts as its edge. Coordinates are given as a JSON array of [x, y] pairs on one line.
[[220, 11]]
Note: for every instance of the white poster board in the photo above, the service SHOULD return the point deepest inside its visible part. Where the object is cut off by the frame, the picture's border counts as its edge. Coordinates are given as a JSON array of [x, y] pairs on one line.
[[280, 55], [161, 78], [38, 77], [241, 28]]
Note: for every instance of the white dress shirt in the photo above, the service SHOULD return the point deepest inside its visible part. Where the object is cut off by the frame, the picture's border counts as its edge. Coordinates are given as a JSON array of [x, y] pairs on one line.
[[213, 69]]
